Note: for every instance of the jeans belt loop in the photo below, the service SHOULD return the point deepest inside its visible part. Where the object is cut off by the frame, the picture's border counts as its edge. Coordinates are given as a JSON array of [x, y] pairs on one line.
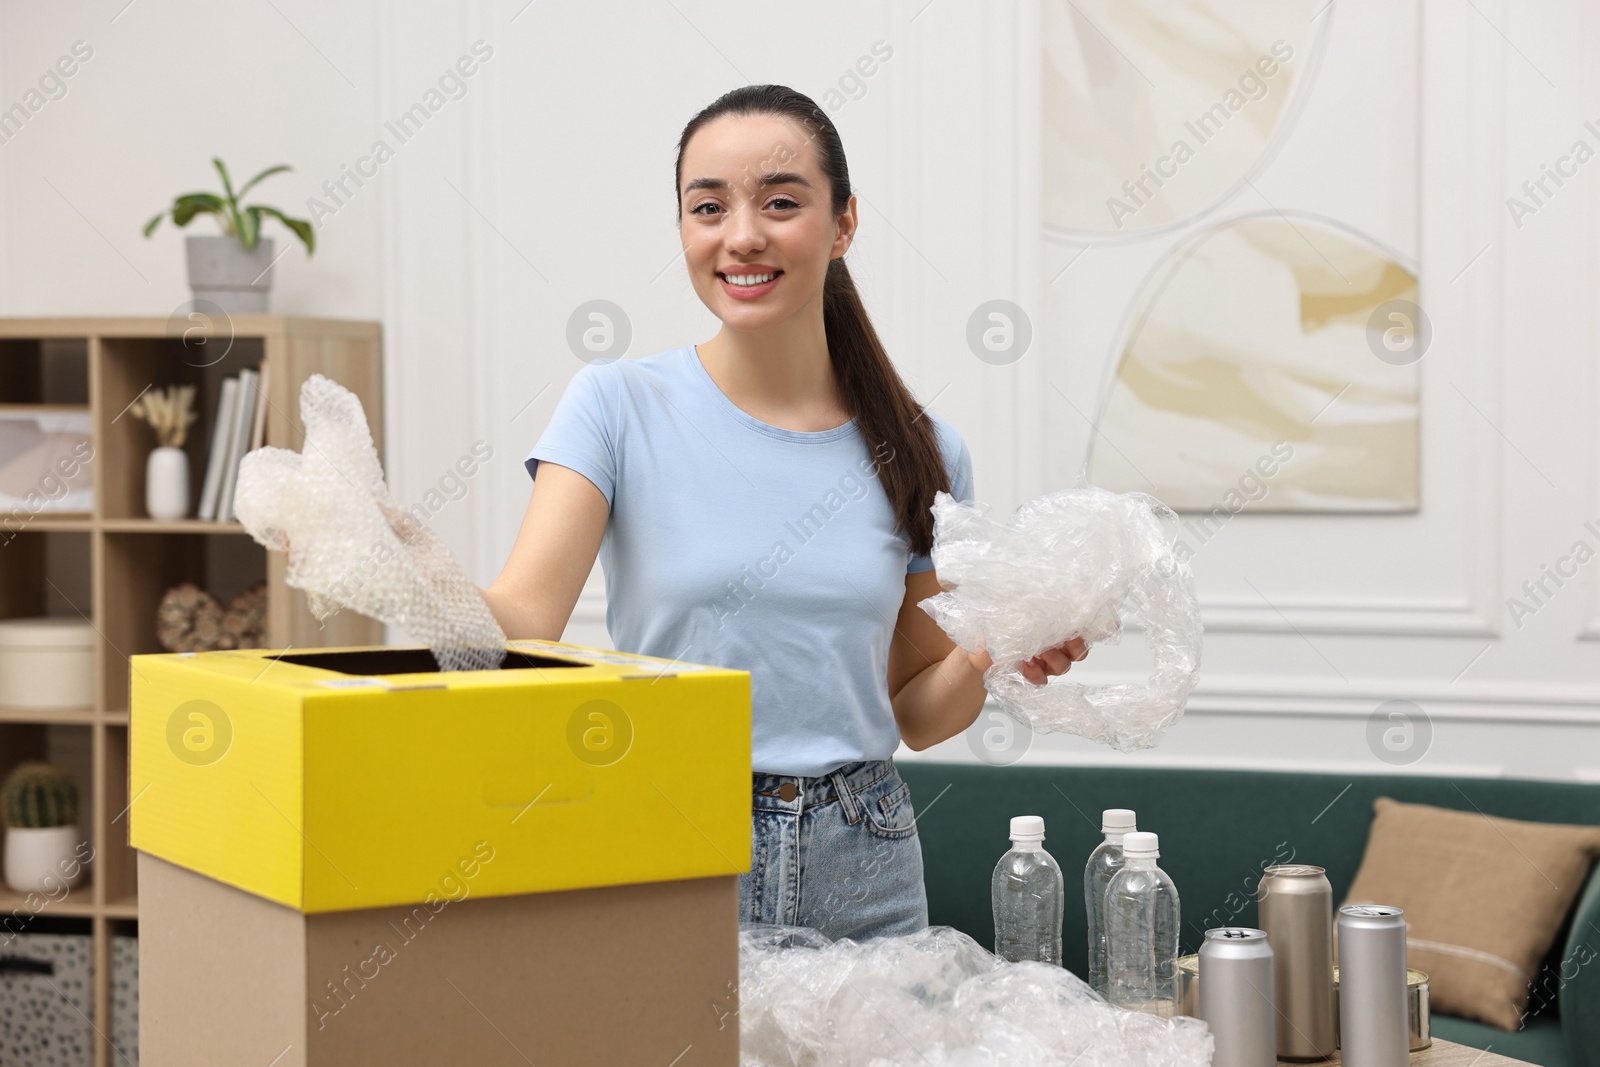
[[852, 814]]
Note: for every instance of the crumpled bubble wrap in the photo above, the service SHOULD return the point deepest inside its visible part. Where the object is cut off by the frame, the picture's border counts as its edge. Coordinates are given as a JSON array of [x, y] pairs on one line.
[[1074, 563], [350, 545], [934, 998]]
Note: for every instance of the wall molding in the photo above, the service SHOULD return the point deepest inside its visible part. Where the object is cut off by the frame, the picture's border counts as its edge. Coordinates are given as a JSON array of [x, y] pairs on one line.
[[1111, 758], [1410, 620], [1506, 702]]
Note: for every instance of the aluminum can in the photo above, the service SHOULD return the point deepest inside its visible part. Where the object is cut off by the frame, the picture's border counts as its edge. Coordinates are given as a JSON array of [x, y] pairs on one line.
[[1416, 1003], [1373, 1010], [1236, 997], [1295, 908]]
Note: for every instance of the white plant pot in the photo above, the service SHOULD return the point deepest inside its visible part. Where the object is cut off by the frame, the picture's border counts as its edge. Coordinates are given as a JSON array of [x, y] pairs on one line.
[[229, 275], [166, 483], [38, 861]]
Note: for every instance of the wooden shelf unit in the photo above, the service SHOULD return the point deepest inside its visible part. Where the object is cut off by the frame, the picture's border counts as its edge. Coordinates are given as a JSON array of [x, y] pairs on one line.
[[113, 565]]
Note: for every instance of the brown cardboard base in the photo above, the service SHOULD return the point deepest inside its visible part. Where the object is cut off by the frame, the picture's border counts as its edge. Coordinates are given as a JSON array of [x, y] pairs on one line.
[[637, 974]]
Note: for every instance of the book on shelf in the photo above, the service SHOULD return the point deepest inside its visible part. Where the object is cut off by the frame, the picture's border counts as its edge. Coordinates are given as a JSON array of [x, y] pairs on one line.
[[244, 422], [238, 427], [258, 435], [221, 434]]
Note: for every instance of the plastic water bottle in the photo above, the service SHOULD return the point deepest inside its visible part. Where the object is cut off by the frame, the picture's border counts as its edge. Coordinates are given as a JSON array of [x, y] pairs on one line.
[[1104, 862], [1142, 931], [1029, 895]]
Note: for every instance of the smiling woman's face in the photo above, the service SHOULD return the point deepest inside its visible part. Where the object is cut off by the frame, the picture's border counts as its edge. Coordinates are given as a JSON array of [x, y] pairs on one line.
[[757, 225]]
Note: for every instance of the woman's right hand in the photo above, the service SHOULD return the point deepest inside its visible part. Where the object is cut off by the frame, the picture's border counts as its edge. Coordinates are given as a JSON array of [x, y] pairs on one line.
[[555, 550]]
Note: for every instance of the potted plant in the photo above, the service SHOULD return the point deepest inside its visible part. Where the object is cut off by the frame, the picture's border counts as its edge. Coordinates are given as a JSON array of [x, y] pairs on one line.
[[39, 804], [233, 270]]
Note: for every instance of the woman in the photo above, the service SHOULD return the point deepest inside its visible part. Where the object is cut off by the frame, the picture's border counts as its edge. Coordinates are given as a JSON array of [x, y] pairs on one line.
[[762, 502]]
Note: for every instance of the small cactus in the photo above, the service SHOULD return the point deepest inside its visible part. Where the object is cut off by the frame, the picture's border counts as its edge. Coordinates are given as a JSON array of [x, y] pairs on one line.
[[39, 795]]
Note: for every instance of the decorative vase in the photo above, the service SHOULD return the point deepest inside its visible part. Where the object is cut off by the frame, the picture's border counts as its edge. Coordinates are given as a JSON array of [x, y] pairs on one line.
[[38, 860], [235, 278], [166, 483]]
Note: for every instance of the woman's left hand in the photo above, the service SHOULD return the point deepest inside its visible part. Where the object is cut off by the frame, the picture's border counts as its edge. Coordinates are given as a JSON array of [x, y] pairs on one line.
[[1038, 670]]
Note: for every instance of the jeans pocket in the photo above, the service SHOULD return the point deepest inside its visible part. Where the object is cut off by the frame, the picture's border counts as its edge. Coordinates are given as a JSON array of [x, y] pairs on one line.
[[890, 815]]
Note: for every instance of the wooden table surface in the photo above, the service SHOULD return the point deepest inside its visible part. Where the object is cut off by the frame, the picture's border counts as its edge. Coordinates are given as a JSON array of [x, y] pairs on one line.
[[1440, 1054]]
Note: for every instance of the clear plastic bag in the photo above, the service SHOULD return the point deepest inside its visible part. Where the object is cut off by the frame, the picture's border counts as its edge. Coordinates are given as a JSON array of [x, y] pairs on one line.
[[934, 998], [350, 545], [1075, 563]]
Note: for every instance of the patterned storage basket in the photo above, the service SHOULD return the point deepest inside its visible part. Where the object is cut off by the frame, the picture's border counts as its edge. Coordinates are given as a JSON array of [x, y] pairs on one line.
[[125, 999], [47, 1000]]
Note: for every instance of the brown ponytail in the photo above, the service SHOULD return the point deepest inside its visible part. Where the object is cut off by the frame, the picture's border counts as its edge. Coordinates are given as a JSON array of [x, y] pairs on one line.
[[901, 441]]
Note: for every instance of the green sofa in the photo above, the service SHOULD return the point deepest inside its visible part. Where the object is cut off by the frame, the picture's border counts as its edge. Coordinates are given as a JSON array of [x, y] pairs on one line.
[[1218, 828]]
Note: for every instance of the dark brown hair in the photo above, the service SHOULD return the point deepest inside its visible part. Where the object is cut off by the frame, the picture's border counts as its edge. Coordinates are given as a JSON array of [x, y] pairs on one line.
[[890, 420]]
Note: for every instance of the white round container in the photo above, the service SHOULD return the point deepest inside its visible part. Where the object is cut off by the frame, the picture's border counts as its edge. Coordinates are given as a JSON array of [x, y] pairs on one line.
[[46, 664], [38, 861]]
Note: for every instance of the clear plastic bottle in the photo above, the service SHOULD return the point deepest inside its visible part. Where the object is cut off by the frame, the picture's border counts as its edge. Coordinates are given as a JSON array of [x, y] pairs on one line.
[[1104, 862], [1029, 897], [1142, 916]]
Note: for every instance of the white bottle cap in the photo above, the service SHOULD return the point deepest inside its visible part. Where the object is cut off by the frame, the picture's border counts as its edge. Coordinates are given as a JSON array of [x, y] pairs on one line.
[[1141, 845], [1117, 821], [1027, 828]]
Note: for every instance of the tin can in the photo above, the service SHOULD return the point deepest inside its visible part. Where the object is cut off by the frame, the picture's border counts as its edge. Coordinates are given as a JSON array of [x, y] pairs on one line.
[[1295, 908], [1189, 986], [1373, 1010], [1236, 996], [1418, 1025]]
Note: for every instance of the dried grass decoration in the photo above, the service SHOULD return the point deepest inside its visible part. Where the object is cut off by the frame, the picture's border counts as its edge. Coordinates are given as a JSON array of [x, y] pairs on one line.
[[192, 620], [169, 410]]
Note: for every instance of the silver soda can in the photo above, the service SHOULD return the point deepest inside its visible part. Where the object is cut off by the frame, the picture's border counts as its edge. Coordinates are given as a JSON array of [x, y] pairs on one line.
[[1295, 908], [1236, 995], [1373, 1012]]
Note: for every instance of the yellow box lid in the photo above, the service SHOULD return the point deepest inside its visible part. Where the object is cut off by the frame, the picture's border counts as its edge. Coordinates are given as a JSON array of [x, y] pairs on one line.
[[331, 779]]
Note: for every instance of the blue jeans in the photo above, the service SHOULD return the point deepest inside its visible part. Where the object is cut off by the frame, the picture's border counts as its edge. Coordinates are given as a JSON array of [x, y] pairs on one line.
[[838, 853]]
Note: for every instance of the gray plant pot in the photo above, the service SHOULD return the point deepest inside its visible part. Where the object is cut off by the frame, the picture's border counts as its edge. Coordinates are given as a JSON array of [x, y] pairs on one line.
[[224, 272]]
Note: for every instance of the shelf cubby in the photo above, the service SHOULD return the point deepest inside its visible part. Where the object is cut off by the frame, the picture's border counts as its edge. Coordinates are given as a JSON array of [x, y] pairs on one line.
[[44, 371], [143, 566], [127, 366], [70, 745]]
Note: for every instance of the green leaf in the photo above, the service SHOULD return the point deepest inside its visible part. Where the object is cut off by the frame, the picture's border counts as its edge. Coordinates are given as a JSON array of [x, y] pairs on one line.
[[237, 224], [227, 185], [301, 228], [150, 227], [269, 172], [249, 227], [186, 207]]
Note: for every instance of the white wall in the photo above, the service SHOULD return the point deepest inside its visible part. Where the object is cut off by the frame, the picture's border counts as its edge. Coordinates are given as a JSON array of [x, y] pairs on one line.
[[547, 185]]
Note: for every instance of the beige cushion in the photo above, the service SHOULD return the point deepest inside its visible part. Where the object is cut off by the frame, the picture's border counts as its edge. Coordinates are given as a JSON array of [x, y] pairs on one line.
[[1483, 898]]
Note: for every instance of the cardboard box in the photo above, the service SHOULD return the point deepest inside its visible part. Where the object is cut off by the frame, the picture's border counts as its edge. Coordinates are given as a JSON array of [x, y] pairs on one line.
[[636, 974], [349, 857]]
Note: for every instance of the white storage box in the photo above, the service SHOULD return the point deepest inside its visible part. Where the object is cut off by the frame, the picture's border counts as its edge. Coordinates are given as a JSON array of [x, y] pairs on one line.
[[46, 664]]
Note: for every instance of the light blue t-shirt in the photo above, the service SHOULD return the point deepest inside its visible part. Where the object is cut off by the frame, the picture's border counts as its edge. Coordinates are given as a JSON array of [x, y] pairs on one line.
[[740, 544]]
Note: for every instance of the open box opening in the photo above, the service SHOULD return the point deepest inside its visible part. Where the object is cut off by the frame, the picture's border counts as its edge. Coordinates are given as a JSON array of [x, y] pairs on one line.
[[377, 661]]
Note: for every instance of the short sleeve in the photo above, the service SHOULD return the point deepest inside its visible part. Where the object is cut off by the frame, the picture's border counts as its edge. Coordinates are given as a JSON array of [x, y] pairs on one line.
[[960, 488], [581, 433]]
